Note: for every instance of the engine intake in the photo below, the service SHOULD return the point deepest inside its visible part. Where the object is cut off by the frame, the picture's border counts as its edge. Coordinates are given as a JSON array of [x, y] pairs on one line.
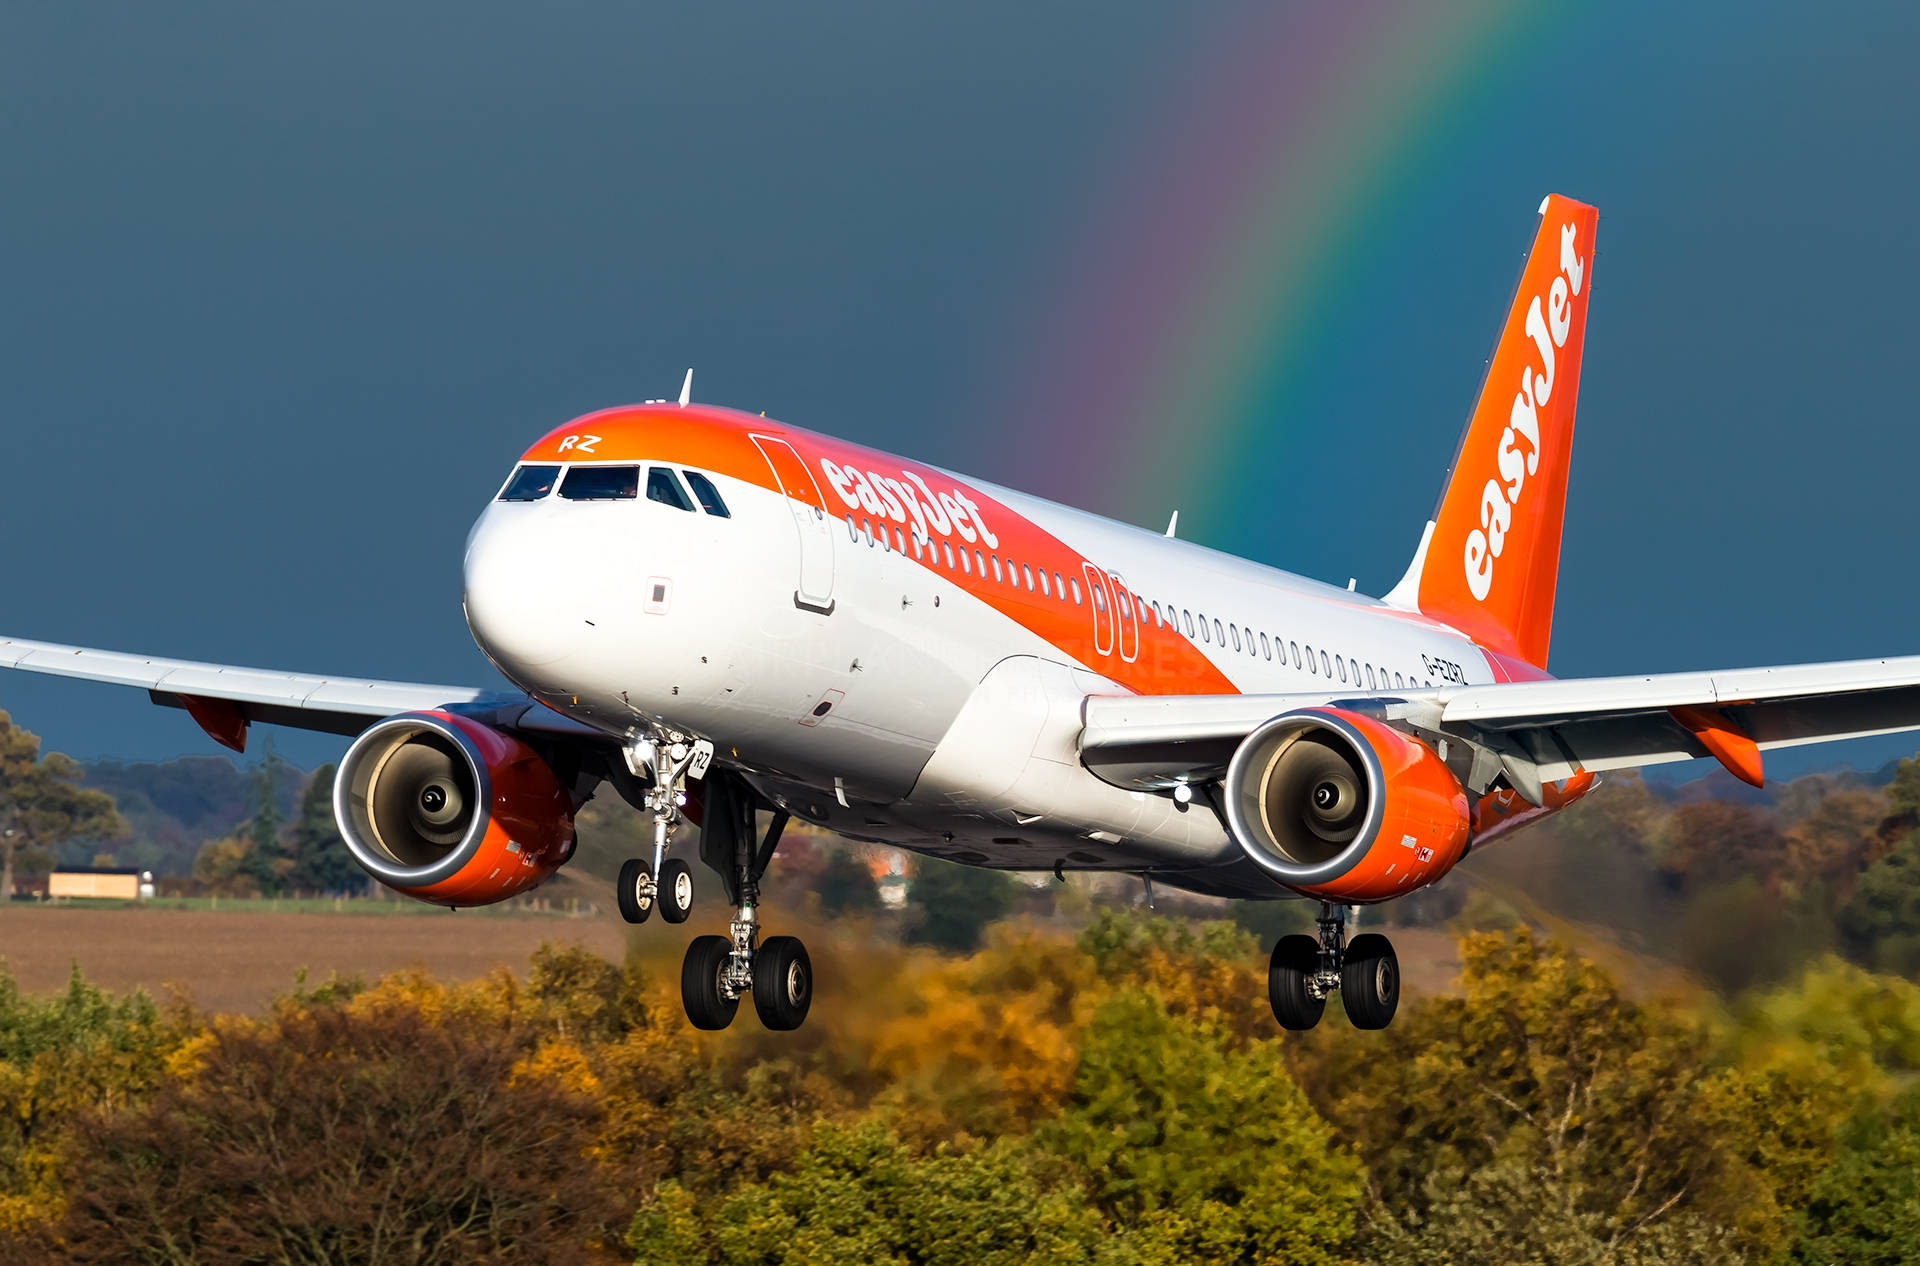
[[1342, 806], [448, 810]]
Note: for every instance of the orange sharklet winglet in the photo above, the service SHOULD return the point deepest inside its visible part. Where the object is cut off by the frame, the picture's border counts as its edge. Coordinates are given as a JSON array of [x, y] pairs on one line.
[[1724, 741]]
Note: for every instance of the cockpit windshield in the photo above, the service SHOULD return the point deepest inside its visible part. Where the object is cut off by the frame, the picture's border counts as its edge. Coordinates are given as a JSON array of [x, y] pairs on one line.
[[529, 483], [601, 483]]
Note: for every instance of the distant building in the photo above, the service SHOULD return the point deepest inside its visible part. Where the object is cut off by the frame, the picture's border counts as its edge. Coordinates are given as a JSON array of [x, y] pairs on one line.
[[112, 882]]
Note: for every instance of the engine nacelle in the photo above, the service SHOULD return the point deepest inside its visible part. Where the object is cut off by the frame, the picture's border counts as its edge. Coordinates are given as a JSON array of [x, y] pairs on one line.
[[1344, 807], [447, 810]]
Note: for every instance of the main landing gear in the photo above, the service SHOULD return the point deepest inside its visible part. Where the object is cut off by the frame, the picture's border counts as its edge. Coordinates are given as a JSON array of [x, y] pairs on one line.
[[720, 970], [1305, 969]]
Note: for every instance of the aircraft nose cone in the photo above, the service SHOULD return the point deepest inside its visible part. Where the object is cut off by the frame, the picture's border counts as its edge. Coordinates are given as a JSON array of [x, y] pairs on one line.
[[516, 593]]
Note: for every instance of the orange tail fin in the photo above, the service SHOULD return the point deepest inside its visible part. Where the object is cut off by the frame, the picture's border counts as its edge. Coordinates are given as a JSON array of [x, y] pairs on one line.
[[1491, 556]]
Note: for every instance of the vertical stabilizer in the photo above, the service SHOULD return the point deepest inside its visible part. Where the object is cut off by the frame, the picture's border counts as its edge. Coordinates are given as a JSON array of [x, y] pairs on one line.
[[1490, 559]]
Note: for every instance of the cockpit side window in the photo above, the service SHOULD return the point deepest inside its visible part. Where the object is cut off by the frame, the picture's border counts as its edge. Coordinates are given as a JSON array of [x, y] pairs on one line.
[[664, 488], [706, 494], [601, 483], [529, 483]]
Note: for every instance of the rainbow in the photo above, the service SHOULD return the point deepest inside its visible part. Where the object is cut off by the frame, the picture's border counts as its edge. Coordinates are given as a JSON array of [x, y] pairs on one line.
[[1182, 352]]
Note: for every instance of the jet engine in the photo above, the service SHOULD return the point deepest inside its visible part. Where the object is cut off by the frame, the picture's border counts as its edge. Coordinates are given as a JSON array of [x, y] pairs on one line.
[[450, 811], [1343, 807]]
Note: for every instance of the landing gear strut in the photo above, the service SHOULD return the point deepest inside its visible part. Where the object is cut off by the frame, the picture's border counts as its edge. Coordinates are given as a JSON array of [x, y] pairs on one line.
[[720, 970], [1305, 969], [668, 882]]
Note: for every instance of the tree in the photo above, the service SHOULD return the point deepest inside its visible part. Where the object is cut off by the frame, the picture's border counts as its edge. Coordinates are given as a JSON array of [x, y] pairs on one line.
[[41, 805], [954, 904], [1200, 1152], [860, 1194], [261, 861], [1865, 1209], [319, 860], [1541, 1061], [1881, 923], [370, 1131], [846, 885], [1717, 841]]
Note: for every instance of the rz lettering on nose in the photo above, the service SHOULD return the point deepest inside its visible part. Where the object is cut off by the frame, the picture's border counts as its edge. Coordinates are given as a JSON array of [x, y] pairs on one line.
[[578, 443]]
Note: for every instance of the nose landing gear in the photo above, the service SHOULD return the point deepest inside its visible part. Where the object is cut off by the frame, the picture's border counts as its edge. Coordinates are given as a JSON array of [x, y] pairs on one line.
[[668, 882], [1305, 969]]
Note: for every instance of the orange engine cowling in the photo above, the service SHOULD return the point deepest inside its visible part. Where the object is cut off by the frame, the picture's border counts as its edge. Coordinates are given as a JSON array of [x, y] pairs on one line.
[[447, 810], [1343, 807]]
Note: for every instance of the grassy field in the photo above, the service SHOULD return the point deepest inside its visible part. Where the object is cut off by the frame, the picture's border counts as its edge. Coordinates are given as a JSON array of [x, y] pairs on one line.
[[235, 956]]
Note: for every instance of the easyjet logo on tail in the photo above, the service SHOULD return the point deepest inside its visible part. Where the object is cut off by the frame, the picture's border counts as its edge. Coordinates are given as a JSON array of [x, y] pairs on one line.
[[1518, 455]]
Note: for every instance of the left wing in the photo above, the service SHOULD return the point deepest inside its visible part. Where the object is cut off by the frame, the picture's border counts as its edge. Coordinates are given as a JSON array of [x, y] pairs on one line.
[[223, 698], [1534, 732]]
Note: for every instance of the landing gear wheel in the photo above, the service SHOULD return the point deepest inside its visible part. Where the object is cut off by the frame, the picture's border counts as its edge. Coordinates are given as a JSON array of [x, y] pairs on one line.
[[1370, 981], [634, 891], [701, 977], [676, 891], [1295, 960], [782, 983]]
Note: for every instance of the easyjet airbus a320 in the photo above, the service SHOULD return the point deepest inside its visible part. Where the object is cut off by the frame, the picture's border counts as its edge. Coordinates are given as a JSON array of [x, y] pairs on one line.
[[723, 617]]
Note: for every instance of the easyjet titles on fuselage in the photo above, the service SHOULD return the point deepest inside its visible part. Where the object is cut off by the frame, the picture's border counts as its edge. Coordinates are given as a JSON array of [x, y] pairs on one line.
[[945, 513]]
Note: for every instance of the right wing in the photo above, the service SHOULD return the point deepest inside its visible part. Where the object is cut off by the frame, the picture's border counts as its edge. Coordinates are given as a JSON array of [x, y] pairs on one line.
[[1534, 731]]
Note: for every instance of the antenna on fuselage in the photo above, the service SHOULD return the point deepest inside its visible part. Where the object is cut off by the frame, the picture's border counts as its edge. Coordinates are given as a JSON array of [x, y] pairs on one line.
[[686, 388], [1173, 524]]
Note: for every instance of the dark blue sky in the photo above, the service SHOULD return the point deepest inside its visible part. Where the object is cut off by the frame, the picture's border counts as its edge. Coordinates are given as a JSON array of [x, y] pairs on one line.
[[282, 293]]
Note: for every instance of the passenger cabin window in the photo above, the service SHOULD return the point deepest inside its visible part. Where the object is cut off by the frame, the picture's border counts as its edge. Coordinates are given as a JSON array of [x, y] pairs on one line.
[[706, 494], [1044, 592], [1026, 574], [1099, 599], [1266, 648], [996, 566], [1310, 665], [1219, 634], [529, 483], [601, 483], [1059, 590], [1076, 590], [1324, 670], [663, 487], [1203, 628], [1188, 617], [949, 548]]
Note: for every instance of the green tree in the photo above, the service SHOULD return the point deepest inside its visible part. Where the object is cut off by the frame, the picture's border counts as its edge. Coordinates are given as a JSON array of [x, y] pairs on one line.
[[1881, 922], [1865, 1209], [860, 1194], [318, 857], [1198, 1151], [41, 804], [846, 885], [1540, 1061], [953, 904], [261, 861], [79, 1051]]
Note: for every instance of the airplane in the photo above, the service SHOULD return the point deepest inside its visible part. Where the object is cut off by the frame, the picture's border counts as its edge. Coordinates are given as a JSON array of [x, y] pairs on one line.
[[734, 622]]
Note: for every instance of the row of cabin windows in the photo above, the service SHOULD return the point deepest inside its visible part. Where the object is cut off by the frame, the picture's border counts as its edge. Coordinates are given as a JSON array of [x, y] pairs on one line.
[[617, 483], [1319, 663], [973, 561], [970, 561]]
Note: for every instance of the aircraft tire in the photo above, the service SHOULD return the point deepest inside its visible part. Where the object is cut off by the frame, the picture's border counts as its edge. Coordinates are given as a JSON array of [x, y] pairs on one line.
[[631, 893], [782, 983], [676, 890], [1370, 981], [708, 1006], [1294, 961]]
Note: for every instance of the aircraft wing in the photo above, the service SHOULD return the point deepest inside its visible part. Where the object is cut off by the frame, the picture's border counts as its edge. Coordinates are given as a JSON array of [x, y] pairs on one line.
[[222, 698], [1535, 731]]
